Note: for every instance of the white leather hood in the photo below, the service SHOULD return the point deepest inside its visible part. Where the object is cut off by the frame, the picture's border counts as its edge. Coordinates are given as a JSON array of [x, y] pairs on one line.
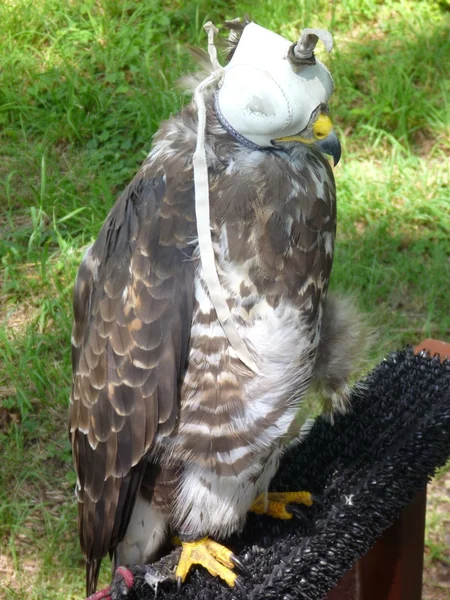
[[263, 95]]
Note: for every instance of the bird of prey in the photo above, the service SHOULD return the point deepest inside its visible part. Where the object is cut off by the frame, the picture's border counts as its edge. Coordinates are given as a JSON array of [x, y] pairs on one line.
[[172, 433]]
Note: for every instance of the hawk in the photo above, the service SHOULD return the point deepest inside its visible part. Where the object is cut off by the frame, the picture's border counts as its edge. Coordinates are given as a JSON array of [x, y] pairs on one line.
[[173, 433]]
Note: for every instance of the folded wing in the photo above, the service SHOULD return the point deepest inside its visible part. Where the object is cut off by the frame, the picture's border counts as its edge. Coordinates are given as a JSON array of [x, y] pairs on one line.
[[133, 306]]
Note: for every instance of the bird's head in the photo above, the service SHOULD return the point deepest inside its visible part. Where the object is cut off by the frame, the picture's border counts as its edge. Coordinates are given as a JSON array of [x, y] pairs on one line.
[[275, 93]]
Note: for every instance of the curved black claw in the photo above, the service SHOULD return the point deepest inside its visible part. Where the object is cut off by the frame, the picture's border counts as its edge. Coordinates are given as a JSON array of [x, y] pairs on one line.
[[240, 565], [316, 499], [238, 585], [179, 585], [299, 512]]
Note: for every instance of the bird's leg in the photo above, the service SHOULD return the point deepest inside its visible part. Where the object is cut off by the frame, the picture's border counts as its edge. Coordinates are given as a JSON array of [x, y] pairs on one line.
[[275, 503], [217, 559]]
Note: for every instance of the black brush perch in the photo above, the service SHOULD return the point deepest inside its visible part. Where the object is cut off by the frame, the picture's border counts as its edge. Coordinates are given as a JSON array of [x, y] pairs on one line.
[[365, 468]]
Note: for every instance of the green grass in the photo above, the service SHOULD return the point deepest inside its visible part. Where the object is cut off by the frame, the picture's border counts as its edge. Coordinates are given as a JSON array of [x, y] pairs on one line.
[[83, 87]]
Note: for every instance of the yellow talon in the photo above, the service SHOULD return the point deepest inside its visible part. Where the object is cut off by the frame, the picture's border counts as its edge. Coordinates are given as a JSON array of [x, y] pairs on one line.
[[209, 554], [274, 503]]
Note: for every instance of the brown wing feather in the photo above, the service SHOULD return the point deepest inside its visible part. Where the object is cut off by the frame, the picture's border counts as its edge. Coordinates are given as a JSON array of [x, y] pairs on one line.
[[133, 307]]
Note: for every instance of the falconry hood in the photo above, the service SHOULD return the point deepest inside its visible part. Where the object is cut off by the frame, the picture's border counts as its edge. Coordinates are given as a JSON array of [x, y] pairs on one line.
[[271, 87]]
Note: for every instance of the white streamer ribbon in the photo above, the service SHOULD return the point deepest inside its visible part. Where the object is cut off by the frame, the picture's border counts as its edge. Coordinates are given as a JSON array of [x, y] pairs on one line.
[[202, 213]]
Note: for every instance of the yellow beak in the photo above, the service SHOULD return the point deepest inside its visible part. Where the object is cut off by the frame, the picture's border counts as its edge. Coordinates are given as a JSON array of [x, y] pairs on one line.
[[321, 129], [323, 136]]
